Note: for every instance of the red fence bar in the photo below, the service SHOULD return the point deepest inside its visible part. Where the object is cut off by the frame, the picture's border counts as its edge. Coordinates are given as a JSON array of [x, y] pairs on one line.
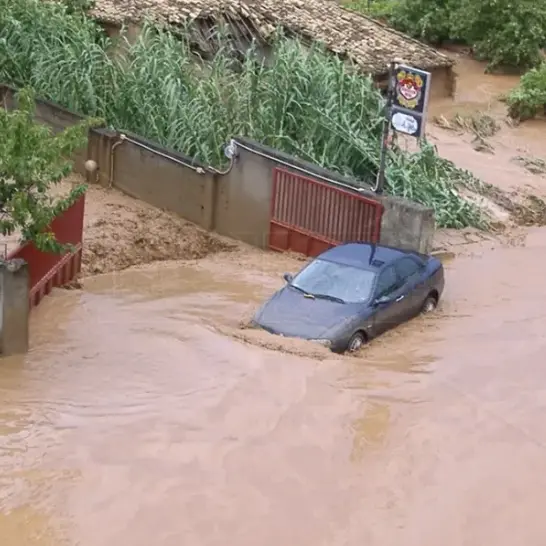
[[49, 270], [309, 216]]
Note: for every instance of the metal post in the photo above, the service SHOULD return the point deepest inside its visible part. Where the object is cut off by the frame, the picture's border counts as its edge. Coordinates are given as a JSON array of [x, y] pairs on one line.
[[380, 182]]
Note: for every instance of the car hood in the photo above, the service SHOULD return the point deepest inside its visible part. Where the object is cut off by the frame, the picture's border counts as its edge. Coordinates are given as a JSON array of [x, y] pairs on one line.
[[291, 314]]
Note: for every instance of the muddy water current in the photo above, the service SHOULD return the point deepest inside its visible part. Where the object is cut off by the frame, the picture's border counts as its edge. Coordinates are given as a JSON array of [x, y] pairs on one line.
[[143, 415]]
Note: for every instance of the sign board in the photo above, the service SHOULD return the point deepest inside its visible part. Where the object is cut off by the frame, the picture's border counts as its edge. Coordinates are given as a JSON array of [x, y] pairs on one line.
[[410, 95]]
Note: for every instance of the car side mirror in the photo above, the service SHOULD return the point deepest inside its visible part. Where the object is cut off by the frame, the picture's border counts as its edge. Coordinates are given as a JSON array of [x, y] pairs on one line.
[[288, 277], [382, 300]]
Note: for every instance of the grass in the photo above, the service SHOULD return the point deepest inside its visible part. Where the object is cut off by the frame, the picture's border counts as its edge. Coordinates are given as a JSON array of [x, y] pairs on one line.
[[305, 102]]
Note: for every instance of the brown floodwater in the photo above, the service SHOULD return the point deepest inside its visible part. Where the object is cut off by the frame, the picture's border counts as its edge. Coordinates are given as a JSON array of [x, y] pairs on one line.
[[138, 418]]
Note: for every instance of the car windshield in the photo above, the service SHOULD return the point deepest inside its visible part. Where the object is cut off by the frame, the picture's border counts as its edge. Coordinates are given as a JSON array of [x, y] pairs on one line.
[[335, 281]]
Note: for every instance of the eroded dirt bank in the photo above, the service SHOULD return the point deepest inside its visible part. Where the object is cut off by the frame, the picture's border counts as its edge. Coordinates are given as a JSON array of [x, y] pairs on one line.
[[121, 232]]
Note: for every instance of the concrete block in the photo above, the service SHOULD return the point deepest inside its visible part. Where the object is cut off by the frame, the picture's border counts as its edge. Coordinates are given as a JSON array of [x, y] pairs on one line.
[[407, 225], [14, 307]]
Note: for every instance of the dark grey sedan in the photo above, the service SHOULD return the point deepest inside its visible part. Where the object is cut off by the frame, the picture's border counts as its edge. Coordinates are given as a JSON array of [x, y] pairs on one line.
[[352, 293]]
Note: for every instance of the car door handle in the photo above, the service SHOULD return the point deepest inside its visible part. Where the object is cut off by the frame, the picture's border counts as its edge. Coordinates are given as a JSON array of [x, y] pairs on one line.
[[399, 298]]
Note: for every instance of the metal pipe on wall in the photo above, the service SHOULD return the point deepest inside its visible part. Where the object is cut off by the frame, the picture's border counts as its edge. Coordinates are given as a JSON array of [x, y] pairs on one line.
[[121, 140]]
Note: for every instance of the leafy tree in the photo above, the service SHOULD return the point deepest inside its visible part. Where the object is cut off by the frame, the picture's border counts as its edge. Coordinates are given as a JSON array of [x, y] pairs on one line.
[[506, 33], [428, 20], [503, 32], [32, 160]]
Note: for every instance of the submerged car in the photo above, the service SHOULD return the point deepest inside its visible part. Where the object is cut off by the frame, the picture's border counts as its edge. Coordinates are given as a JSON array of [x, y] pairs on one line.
[[351, 293]]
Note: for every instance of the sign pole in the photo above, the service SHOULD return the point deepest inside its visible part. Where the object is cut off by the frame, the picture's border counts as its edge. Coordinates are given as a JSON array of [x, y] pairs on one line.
[[380, 182], [405, 109]]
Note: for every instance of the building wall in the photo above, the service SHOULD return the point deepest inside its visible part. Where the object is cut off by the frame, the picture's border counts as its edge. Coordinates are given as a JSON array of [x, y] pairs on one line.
[[443, 83]]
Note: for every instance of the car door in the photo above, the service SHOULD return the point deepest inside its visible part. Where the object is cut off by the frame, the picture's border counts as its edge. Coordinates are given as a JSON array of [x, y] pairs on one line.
[[388, 315], [410, 271]]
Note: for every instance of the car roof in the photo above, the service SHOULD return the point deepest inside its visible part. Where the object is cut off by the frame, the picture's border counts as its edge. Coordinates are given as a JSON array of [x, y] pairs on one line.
[[364, 255]]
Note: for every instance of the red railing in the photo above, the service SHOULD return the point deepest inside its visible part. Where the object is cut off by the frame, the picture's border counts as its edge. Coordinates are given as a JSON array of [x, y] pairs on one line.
[[49, 270], [308, 216]]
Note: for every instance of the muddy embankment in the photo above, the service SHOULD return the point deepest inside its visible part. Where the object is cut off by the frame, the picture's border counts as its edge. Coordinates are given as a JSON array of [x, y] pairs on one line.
[[121, 232]]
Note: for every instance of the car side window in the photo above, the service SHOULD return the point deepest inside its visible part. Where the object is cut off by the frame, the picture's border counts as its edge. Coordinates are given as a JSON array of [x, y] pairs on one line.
[[407, 269], [387, 282]]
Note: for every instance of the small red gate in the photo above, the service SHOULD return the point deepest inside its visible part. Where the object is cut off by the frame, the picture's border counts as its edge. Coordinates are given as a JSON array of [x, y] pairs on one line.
[[48, 270], [308, 216]]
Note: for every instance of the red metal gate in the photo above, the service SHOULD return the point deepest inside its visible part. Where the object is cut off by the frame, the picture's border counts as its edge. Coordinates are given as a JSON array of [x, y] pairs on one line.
[[308, 216], [48, 270]]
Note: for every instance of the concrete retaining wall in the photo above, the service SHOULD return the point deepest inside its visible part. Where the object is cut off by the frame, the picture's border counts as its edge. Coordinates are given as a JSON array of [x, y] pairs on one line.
[[236, 204], [245, 198], [165, 179]]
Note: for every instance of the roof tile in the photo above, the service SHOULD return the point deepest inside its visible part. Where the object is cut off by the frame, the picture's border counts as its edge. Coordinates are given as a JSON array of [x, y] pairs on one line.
[[367, 42]]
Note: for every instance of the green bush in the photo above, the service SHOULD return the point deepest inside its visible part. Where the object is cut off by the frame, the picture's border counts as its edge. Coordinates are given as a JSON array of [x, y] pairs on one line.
[[427, 20], [305, 102], [529, 98], [505, 33]]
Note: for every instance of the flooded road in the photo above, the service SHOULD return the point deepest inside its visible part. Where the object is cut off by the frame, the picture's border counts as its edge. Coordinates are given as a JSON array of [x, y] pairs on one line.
[[138, 418]]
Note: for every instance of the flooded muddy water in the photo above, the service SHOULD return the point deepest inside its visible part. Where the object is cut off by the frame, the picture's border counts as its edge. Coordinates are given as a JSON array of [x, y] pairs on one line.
[[137, 418], [479, 93]]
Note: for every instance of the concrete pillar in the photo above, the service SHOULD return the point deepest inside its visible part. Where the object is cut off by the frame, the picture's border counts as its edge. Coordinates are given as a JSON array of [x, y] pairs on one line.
[[14, 307]]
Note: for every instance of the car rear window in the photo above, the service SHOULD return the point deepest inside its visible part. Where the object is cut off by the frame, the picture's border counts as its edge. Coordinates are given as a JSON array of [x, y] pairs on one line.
[[387, 282]]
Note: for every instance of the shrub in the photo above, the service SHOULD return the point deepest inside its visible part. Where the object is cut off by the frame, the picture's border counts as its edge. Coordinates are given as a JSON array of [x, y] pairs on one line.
[[428, 20], [505, 33], [529, 98]]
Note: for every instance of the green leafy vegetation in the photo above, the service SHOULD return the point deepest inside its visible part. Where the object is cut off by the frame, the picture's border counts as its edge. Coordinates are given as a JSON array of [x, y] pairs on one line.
[[528, 99], [304, 102], [32, 160], [428, 20], [78, 6], [506, 33]]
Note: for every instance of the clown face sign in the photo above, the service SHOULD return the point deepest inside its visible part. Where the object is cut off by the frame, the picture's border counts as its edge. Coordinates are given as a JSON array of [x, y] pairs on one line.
[[410, 89]]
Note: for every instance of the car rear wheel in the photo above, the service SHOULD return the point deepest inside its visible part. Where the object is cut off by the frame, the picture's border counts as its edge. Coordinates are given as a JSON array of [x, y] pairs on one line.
[[356, 342], [429, 305]]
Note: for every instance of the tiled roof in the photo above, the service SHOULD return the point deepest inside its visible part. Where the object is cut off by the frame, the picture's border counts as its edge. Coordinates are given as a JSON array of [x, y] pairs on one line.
[[368, 43]]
